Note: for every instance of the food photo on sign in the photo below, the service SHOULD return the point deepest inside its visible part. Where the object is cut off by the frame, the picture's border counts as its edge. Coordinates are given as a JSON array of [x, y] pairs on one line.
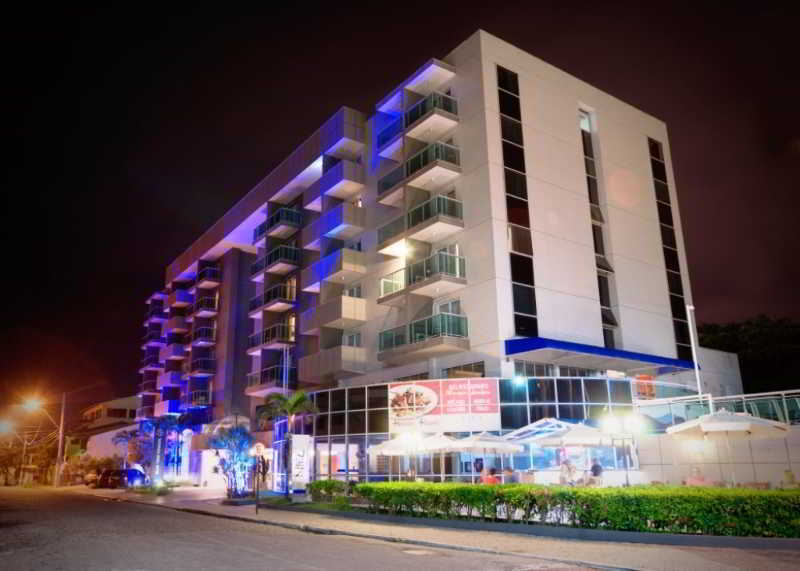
[[451, 405]]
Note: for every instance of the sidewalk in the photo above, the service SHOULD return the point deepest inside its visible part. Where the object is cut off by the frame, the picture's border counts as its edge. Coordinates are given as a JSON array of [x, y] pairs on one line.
[[598, 553]]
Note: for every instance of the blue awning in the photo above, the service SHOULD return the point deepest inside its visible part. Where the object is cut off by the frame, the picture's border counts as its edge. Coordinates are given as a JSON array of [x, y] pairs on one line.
[[572, 354]]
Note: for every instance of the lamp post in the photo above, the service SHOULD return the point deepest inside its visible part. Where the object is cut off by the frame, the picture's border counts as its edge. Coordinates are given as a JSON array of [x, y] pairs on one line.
[[622, 429], [693, 341]]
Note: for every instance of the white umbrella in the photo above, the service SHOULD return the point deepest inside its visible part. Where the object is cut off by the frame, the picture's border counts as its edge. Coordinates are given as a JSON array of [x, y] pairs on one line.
[[727, 425], [438, 443], [402, 445], [487, 444], [571, 435]]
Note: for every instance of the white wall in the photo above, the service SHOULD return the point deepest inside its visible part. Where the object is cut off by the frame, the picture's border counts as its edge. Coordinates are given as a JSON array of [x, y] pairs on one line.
[[100, 445], [719, 373]]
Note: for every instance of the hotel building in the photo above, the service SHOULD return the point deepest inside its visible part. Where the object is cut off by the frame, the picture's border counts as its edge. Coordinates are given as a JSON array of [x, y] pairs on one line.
[[492, 218]]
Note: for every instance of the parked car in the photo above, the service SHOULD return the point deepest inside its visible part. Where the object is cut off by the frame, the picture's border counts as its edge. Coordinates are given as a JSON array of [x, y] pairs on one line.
[[90, 479], [128, 478]]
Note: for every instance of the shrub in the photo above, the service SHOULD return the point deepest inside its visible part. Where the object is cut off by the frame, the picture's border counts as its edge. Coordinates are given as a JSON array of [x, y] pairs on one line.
[[325, 490], [662, 509]]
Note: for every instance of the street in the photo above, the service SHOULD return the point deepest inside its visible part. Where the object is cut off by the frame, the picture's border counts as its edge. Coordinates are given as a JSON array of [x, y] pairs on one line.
[[46, 529]]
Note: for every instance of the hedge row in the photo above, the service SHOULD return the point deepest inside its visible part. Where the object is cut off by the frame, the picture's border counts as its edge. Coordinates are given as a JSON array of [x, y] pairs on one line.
[[663, 509]]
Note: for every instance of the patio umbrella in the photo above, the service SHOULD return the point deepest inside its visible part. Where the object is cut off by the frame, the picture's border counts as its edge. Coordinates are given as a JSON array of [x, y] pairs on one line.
[[438, 443], [403, 445], [487, 444], [726, 425], [570, 435]]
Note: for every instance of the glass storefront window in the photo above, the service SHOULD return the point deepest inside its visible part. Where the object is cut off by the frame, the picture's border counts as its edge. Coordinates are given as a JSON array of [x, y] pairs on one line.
[[338, 423], [357, 422], [513, 390], [620, 392], [339, 457], [541, 390], [596, 390], [357, 457], [656, 417], [321, 399], [595, 413], [338, 400], [540, 411], [356, 398], [569, 390], [321, 428], [322, 455], [378, 396], [378, 421], [513, 416], [571, 412], [378, 465]]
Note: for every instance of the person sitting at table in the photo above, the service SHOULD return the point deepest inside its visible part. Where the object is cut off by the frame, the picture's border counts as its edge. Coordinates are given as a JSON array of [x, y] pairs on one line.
[[696, 478], [595, 473], [568, 475], [491, 477]]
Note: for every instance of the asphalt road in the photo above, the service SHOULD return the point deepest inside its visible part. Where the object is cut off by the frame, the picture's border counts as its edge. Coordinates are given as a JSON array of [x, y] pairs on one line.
[[45, 529]]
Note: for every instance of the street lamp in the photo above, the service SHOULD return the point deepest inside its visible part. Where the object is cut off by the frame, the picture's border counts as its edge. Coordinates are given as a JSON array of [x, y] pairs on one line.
[[624, 428], [693, 341], [6, 426], [32, 404]]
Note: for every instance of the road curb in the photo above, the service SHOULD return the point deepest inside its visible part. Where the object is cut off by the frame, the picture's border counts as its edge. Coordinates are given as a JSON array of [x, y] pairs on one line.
[[328, 531]]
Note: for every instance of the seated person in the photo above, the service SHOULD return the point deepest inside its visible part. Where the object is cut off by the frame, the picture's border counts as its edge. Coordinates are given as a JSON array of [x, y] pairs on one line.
[[491, 477], [568, 475], [696, 478], [510, 476], [595, 473]]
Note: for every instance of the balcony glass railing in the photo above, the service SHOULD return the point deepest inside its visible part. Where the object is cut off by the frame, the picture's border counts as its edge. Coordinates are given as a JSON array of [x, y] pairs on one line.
[[150, 360], [209, 273], [433, 152], [196, 398], [259, 231], [204, 365], [147, 387], [205, 304], [438, 325], [278, 291], [153, 336], [154, 311], [390, 131], [288, 216], [392, 229], [440, 263], [280, 253], [432, 101], [145, 412], [277, 332], [272, 376], [435, 206], [204, 334]]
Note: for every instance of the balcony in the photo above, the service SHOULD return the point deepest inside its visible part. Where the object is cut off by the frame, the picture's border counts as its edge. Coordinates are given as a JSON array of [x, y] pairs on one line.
[[432, 118], [434, 220], [152, 362], [208, 278], [440, 274], [278, 298], [280, 260], [340, 313], [205, 307], [283, 223], [148, 387], [277, 337], [153, 338], [180, 298], [344, 181], [204, 337], [342, 222], [390, 140], [154, 314], [433, 168], [430, 337], [165, 407], [145, 412], [343, 266], [196, 399], [173, 352], [169, 379], [333, 363], [270, 380], [203, 367], [176, 324]]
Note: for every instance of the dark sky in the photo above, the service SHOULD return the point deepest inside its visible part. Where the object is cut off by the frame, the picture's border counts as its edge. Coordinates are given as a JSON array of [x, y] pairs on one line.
[[132, 132]]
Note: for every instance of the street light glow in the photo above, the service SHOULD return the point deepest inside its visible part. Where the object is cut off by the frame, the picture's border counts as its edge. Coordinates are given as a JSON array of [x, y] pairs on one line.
[[32, 404], [6, 426]]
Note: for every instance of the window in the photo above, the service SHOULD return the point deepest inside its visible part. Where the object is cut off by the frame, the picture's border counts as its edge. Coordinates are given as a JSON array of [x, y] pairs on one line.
[[684, 352], [513, 390], [525, 326], [353, 291], [662, 191], [521, 269], [509, 105], [569, 390], [608, 317], [351, 339], [659, 170], [516, 184], [524, 299], [596, 390], [357, 422], [338, 421], [519, 240], [603, 263], [378, 396], [510, 130], [321, 424], [620, 392], [356, 398], [608, 337], [476, 369], [354, 245], [417, 377], [517, 210], [681, 332], [678, 306], [668, 237], [378, 421], [338, 400], [507, 80], [665, 214], [570, 412], [538, 412], [597, 236], [450, 306], [671, 259], [513, 156], [513, 416], [533, 369], [541, 390], [605, 293], [674, 283]]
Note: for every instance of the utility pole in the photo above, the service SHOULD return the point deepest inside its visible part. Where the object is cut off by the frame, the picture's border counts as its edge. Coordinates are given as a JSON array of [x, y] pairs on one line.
[[22, 466], [59, 458], [693, 340]]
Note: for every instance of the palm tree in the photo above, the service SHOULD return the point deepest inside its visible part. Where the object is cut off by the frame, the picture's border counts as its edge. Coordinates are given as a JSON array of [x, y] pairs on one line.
[[278, 405]]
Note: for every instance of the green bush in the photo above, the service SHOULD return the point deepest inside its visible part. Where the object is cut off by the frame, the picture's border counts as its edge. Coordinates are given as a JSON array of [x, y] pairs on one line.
[[662, 509], [325, 490]]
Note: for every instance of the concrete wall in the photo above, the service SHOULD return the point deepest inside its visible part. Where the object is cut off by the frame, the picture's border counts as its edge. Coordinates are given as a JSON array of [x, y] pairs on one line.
[[719, 373], [100, 445]]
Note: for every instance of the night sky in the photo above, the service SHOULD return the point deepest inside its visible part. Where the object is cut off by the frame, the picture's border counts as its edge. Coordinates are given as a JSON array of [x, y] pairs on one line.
[[132, 132]]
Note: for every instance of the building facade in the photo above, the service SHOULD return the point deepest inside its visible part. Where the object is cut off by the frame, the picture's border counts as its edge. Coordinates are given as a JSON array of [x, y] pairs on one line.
[[492, 218]]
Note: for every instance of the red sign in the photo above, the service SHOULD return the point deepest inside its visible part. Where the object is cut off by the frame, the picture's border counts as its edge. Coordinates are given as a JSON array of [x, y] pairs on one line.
[[446, 405]]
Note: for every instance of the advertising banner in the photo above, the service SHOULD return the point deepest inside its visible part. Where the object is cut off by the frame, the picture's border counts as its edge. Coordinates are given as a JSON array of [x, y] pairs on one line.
[[446, 405], [302, 449]]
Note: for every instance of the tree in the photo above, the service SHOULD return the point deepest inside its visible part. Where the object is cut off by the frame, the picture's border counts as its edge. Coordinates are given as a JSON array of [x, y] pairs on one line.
[[9, 458], [278, 406], [768, 349], [236, 441], [125, 438]]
